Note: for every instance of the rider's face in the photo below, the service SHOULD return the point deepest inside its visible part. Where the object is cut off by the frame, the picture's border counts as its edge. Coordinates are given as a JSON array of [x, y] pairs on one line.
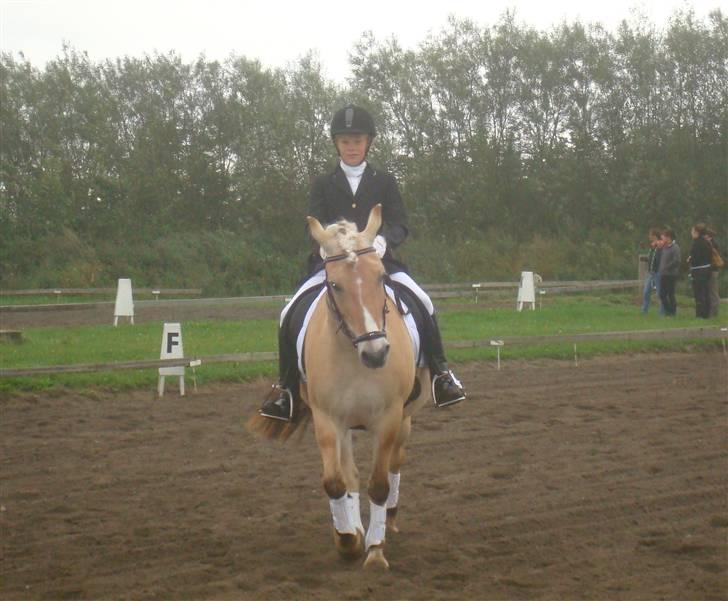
[[352, 148]]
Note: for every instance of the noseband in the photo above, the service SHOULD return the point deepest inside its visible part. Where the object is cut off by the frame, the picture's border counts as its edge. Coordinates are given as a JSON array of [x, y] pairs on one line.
[[355, 340]]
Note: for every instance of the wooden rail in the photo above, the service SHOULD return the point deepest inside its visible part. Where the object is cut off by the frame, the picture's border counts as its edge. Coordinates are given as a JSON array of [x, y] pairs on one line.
[[98, 291], [145, 364], [713, 333], [434, 290], [138, 304]]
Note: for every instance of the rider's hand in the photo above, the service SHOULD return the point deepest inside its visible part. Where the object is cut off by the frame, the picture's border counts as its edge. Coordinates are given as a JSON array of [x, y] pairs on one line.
[[380, 246]]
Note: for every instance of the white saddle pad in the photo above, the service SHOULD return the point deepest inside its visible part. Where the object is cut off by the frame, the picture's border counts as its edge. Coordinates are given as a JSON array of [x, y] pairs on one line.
[[408, 320]]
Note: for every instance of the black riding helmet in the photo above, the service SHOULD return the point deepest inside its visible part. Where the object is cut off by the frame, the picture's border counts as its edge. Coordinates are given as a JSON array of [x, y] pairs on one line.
[[352, 120]]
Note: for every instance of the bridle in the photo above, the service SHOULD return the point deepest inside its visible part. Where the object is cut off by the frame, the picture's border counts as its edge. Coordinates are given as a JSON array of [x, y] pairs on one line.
[[343, 326]]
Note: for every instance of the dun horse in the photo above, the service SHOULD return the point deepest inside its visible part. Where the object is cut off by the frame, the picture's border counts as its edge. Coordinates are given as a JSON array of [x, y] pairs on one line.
[[360, 373]]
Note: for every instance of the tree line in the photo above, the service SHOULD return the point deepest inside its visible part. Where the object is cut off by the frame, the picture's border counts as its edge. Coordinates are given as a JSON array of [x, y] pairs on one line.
[[515, 148]]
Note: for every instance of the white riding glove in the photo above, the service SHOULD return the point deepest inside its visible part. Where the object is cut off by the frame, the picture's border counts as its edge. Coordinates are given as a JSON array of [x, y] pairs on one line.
[[380, 246]]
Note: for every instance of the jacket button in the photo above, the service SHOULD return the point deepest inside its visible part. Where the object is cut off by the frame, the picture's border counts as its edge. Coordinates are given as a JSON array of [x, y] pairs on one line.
[[353, 205]]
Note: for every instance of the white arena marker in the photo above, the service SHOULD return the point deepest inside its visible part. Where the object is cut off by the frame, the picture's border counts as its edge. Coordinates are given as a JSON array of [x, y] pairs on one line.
[[526, 291], [498, 344], [124, 306], [476, 289], [172, 349], [195, 363]]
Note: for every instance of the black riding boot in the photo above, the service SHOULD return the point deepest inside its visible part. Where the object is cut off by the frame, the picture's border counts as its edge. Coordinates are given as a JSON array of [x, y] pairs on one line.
[[282, 400], [279, 402], [446, 388]]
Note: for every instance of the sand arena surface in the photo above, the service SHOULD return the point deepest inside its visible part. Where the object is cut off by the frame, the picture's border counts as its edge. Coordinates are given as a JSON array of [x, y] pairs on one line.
[[606, 481]]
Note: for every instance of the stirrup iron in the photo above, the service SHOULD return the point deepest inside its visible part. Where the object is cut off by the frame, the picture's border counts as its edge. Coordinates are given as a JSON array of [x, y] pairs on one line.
[[288, 394], [455, 381]]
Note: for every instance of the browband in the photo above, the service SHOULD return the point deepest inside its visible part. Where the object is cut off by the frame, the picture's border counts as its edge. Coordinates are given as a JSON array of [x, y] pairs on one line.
[[341, 257]]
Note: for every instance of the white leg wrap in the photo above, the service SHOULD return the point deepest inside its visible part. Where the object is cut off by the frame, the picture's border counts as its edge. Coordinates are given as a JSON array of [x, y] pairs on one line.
[[341, 512], [393, 497], [355, 510], [377, 524]]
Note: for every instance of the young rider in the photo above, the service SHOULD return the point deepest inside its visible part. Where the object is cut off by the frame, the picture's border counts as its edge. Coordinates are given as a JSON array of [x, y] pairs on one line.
[[350, 191]]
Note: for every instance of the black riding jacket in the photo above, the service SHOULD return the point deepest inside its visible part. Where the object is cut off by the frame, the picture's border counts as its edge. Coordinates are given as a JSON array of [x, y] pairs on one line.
[[331, 199]]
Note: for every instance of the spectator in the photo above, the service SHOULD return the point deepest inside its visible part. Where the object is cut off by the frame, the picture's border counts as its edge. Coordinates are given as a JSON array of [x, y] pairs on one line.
[[713, 284], [669, 270], [652, 281], [699, 260]]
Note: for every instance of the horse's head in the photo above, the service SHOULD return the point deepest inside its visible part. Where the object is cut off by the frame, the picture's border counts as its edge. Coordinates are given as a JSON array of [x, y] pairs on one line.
[[355, 280]]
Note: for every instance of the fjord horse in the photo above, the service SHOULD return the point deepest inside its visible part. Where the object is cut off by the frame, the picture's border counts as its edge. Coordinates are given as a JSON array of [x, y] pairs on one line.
[[360, 374]]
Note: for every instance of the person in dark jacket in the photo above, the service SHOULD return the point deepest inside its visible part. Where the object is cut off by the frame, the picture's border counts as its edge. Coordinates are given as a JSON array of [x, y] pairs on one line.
[[669, 271], [713, 284], [350, 192], [701, 252], [652, 281]]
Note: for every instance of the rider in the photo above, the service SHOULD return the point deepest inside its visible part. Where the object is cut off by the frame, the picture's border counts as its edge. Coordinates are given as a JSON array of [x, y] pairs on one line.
[[350, 192]]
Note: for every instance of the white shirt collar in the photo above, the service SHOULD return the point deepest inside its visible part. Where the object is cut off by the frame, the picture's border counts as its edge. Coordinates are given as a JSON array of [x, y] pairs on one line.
[[353, 174], [356, 171]]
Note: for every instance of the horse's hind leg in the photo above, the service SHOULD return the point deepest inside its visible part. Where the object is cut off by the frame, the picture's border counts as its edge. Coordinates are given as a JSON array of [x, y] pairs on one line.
[[348, 537], [395, 464]]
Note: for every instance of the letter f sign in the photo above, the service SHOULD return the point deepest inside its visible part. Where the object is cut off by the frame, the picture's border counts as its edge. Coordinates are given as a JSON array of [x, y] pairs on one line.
[[172, 341]]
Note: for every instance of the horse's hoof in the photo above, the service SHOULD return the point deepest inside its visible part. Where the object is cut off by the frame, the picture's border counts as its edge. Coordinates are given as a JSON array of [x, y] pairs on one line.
[[392, 520], [376, 560], [349, 546]]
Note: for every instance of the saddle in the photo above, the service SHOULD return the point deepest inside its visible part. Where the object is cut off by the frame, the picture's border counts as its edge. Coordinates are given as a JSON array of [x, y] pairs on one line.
[[296, 321]]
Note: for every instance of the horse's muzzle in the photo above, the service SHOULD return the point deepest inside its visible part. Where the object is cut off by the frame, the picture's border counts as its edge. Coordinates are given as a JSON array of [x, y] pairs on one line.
[[374, 358]]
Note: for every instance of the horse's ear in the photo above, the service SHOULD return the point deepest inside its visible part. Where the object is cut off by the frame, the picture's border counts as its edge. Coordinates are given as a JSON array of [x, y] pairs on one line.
[[317, 230], [321, 235], [373, 224]]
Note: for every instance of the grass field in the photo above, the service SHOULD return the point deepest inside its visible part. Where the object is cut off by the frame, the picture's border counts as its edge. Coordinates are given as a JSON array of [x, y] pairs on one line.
[[459, 322]]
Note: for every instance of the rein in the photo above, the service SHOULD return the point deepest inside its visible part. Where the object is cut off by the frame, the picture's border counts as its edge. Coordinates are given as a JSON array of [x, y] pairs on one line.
[[343, 326]]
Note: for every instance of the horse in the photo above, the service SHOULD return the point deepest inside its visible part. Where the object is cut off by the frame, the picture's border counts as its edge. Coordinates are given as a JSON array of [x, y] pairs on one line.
[[361, 373]]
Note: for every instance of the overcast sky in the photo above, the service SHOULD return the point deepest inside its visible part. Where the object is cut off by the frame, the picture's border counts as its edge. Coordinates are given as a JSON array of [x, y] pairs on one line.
[[278, 32]]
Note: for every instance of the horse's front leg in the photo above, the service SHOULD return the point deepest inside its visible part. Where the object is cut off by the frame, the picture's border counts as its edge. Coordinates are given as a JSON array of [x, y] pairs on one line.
[[395, 465], [387, 433], [348, 531]]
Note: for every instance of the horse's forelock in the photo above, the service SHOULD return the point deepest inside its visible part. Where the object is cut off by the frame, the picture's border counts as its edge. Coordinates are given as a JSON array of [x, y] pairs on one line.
[[346, 238]]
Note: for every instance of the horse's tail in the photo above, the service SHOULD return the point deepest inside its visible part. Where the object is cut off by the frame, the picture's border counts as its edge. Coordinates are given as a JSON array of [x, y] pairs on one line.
[[275, 429]]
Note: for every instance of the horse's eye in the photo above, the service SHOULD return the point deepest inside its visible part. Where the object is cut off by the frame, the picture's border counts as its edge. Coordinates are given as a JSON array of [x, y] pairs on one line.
[[334, 286]]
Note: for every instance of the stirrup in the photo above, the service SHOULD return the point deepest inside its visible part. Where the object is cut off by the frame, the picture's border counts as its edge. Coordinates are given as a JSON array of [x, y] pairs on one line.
[[289, 396], [455, 381]]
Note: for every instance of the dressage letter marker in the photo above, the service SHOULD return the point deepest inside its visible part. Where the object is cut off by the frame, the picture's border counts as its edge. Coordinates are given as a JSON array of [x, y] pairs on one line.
[[172, 349], [124, 306], [526, 291]]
